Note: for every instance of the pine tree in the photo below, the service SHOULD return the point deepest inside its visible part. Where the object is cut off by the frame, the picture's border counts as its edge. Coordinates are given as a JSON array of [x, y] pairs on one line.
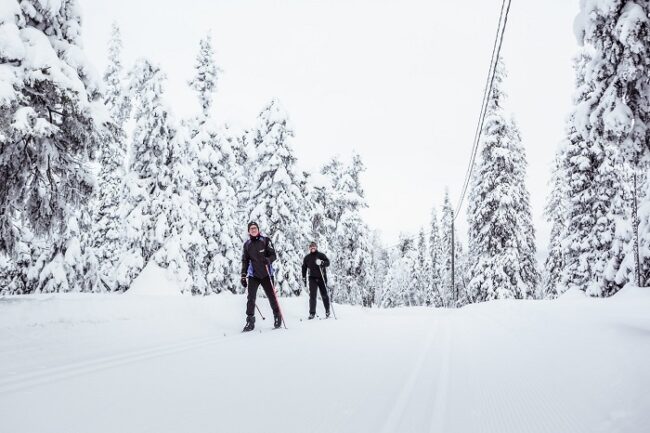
[[616, 114], [379, 269], [450, 287], [556, 215], [218, 208], [347, 232], [400, 284], [435, 258], [160, 211], [423, 271], [595, 189], [276, 196], [214, 167], [206, 76], [500, 223], [107, 225], [51, 116]]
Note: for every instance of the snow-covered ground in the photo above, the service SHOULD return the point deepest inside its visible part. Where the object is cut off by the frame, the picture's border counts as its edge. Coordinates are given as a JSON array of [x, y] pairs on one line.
[[137, 363]]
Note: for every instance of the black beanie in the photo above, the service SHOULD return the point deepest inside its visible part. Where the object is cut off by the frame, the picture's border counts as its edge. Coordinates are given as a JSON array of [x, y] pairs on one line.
[[253, 223]]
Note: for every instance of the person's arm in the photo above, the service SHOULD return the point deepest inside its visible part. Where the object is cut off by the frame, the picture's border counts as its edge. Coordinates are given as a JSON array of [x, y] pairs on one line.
[[270, 254], [245, 261], [304, 268], [324, 261]]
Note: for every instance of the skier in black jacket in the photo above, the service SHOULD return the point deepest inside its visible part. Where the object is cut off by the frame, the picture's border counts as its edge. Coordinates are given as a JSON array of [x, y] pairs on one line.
[[256, 269], [316, 262]]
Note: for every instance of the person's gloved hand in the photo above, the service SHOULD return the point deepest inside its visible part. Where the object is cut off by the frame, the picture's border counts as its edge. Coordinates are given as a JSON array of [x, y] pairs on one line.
[[319, 262], [244, 281]]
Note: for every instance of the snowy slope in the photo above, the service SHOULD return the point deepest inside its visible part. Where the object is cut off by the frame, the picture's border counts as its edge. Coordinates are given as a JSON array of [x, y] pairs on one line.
[[118, 363]]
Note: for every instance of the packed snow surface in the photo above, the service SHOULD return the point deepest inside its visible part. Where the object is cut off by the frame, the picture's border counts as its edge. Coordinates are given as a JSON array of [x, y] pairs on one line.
[[142, 363]]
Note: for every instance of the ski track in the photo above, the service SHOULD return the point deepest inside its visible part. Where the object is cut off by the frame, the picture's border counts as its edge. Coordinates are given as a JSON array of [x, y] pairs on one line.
[[397, 413], [439, 411], [550, 416], [484, 371], [66, 371]]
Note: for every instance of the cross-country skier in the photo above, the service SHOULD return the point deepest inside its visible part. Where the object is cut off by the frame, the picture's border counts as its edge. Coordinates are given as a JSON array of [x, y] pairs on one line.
[[316, 262], [256, 269]]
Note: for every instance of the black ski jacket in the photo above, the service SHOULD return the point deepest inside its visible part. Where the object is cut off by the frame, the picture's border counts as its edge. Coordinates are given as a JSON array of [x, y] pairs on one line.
[[258, 254], [309, 262]]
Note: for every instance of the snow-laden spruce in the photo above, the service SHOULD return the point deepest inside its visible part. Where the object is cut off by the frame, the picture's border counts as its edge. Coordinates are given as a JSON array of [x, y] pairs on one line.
[[161, 213], [617, 112], [502, 255], [276, 197], [206, 76], [218, 208], [400, 285], [555, 213], [50, 115], [348, 233], [435, 258], [216, 170], [451, 294], [107, 222]]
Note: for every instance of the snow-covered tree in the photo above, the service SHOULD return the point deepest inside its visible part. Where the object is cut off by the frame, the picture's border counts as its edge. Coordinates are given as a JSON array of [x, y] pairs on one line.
[[51, 115], [595, 187], [160, 212], [449, 293], [435, 259], [218, 207], [107, 225], [614, 116], [206, 76], [347, 233], [379, 269], [556, 215], [216, 176], [276, 195], [423, 271], [500, 222], [401, 283]]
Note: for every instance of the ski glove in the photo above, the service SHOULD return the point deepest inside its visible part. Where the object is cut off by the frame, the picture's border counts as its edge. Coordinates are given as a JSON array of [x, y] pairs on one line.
[[244, 282]]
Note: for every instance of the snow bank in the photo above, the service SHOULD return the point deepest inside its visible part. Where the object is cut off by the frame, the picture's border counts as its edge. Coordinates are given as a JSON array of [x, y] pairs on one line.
[[156, 281]]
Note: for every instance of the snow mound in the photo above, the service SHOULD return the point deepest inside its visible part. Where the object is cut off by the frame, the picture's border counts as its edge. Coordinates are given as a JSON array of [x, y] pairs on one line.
[[156, 281], [631, 292]]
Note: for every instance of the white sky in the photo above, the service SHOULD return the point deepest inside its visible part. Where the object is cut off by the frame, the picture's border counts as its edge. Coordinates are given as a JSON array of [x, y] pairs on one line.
[[399, 81]]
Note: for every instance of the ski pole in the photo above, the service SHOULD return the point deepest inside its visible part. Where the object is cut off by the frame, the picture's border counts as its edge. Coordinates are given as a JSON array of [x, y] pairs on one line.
[[275, 294], [260, 311], [328, 290]]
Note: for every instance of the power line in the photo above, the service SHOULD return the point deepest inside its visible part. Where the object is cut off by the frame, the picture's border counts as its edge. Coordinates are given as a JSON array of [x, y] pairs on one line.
[[496, 51]]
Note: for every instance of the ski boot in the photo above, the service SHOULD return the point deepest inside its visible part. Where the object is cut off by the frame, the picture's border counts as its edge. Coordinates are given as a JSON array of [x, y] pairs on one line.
[[277, 322], [250, 324], [327, 314], [311, 316]]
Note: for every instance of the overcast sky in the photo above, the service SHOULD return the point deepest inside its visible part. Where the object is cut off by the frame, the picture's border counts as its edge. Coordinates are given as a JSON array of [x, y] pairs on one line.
[[399, 81]]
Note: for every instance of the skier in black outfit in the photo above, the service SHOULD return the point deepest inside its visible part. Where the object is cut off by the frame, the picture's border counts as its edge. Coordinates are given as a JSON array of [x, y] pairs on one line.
[[256, 269], [316, 262]]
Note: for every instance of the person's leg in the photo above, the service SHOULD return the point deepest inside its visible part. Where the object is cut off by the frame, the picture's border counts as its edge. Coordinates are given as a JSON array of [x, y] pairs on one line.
[[323, 294], [268, 290], [313, 291], [253, 284]]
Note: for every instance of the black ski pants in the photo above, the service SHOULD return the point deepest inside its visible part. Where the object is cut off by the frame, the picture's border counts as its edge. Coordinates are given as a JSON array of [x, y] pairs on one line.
[[253, 285], [314, 285]]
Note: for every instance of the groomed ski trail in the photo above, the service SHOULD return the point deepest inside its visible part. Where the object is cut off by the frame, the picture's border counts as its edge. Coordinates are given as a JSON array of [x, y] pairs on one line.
[[502, 367]]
